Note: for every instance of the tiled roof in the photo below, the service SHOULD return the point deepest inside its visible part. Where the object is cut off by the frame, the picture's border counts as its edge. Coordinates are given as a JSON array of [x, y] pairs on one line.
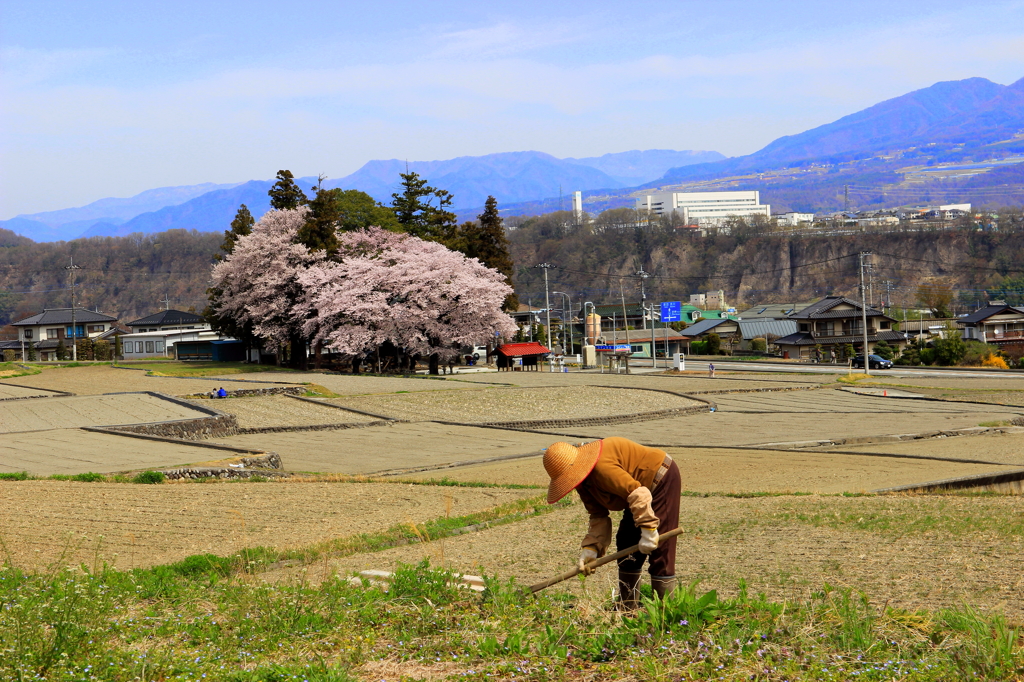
[[517, 350], [63, 316], [698, 328], [168, 317], [987, 312], [806, 339]]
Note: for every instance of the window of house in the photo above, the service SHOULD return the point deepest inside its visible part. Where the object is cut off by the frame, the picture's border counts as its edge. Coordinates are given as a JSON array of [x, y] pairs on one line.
[[884, 324], [28, 333], [159, 346], [127, 347], [149, 346], [805, 327], [79, 331], [53, 333], [138, 346], [94, 328]]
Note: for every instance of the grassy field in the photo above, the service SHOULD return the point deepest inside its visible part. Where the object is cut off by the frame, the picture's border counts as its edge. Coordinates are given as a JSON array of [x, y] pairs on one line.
[[210, 617], [9, 370]]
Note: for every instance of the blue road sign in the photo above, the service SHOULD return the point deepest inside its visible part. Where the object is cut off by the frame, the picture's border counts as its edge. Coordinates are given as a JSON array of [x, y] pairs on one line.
[[671, 312]]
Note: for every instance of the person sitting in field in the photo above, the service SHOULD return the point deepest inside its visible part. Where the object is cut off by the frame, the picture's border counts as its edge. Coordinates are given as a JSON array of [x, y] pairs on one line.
[[221, 393], [616, 474]]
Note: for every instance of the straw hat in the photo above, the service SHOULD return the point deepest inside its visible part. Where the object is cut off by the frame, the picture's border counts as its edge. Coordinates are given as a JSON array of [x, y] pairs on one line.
[[568, 465]]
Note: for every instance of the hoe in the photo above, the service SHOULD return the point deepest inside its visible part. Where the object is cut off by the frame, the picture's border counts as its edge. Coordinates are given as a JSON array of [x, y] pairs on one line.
[[598, 562]]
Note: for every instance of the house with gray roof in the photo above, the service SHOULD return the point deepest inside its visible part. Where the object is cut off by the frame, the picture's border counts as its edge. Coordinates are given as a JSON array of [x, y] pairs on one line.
[[45, 331], [168, 320], [833, 323], [997, 323]]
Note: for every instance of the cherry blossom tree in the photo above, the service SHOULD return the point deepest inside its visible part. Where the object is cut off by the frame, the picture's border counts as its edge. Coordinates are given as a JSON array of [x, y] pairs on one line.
[[258, 280], [418, 295]]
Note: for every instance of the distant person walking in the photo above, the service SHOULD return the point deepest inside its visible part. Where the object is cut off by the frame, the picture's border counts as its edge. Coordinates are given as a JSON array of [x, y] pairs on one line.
[[832, 354], [711, 370]]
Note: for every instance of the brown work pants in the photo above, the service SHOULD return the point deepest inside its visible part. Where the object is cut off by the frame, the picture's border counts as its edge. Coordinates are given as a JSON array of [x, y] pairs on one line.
[[665, 503]]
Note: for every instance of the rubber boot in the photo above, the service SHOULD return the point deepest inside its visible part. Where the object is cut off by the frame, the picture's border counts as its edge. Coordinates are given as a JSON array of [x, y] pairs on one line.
[[629, 591], [663, 586]]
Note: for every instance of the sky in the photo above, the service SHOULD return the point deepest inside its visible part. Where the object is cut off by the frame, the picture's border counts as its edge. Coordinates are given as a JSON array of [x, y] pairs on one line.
[[108, 99]]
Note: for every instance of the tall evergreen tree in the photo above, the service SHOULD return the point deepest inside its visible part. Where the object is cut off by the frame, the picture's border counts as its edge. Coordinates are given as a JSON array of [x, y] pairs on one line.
[[486, 241], [240, 226], [419, 216], [285, 194], [320, 233]]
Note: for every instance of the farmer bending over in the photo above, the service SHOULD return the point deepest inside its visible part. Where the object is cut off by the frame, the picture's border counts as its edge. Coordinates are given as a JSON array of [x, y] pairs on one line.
[[617, 474]]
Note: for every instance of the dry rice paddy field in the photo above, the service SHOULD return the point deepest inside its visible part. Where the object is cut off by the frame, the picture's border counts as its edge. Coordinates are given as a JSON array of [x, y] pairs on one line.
[[777, 496]]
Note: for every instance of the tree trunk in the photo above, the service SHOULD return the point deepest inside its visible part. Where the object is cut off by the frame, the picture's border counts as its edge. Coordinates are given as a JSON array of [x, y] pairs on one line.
[[318, 354], [434, 363], [356, 361]]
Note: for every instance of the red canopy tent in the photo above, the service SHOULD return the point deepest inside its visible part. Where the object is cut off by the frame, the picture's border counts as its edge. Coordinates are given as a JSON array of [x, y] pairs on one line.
[[529, 352]]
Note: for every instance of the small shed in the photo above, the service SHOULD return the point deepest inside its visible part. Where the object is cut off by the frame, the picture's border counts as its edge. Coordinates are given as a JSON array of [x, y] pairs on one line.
[[515, 356], [225, 350]]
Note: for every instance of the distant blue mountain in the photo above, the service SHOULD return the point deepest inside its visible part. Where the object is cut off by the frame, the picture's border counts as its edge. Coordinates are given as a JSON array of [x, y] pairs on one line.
[[973, 111], [70, 223], [509, 177], [209, 212], [637, 167]]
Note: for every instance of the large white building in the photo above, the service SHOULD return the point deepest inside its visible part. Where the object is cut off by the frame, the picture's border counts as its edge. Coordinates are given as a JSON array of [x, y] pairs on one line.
[[705, 208]]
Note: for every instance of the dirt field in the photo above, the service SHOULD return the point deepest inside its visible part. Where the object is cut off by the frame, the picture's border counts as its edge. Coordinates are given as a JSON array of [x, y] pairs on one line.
[[97, 379], [683, 383], [508, 404], [747, 471], [8, 391], [388, 448], [143, 525], [73, 451], [349, 384], [786, 547], [279, 410], [64, 413], [1006, 448]]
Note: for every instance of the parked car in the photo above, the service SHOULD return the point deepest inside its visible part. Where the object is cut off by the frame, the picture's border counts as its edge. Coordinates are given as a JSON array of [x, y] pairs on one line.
[[875, 362]]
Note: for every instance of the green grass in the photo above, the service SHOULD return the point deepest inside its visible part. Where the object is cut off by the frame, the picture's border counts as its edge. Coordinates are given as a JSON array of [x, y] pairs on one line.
[[10, 370], [204, 619]]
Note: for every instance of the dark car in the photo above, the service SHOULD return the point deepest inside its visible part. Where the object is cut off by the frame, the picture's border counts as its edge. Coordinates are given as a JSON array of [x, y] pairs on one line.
[[876, 362]]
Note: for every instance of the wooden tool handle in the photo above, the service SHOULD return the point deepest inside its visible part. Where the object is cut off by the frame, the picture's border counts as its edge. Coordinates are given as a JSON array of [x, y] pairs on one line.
[[599, 562]]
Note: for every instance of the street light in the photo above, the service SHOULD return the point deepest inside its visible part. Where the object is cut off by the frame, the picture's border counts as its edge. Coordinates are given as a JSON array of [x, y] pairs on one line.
[[569, 320]]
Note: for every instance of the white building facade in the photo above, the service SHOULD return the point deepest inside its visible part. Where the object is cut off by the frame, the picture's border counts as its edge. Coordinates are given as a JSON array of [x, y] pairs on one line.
[[705, 208]]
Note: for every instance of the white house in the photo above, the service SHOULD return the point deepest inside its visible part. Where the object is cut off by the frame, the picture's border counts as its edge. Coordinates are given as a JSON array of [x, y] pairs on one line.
[[48, 329], [160, 344]]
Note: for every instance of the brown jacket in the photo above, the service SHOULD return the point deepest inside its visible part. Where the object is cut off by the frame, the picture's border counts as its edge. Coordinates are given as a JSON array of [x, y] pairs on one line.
[[622, 468]]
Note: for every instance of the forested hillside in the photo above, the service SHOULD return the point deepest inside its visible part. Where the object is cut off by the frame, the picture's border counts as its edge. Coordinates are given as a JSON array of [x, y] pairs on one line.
[[124, 276], [593, 261]]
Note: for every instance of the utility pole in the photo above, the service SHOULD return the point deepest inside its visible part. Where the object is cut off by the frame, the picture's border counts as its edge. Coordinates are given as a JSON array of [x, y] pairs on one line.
[[846, 199], [547, 305], [74, 329], [167, 302], [864, 261]]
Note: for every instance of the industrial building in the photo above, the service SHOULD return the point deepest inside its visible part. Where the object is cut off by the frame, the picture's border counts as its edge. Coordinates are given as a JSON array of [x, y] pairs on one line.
[[705, 208]]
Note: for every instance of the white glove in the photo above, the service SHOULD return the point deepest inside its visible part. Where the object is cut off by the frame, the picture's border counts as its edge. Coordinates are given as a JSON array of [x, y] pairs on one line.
[[586, 556], [648, 540]]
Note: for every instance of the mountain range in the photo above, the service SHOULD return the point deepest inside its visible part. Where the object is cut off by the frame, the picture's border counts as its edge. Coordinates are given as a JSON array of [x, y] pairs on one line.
[[966, 121], [973, 112], [511, 177]]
